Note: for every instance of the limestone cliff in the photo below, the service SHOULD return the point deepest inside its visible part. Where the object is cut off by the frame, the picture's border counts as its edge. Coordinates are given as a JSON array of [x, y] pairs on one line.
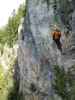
[[37, 52]]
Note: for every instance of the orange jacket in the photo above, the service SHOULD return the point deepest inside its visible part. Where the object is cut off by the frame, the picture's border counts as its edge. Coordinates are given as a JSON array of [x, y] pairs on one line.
[[56, 35]]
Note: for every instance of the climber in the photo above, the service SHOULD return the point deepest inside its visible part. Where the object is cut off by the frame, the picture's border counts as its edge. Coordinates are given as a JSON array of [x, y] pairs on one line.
[[56, 37]]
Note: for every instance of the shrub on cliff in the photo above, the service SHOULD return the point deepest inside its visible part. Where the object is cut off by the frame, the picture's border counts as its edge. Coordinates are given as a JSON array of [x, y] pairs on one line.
[[64, 82]]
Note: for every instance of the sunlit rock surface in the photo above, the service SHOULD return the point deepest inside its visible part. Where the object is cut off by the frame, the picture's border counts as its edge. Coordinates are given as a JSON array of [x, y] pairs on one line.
[[37, 52], [7, 57]]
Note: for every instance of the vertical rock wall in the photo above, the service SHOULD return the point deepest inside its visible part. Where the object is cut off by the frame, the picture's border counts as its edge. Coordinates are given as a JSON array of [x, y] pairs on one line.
[[37, 53]]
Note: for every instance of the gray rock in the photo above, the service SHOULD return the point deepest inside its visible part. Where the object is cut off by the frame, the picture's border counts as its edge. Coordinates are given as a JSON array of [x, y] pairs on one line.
[[37, 51]]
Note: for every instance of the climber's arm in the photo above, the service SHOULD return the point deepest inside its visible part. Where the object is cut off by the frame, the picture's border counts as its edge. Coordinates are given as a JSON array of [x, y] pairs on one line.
[[52, 33], [60, 34]]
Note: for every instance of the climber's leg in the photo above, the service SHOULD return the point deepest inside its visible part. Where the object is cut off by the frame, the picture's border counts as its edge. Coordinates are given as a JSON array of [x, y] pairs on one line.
[[59, 45]]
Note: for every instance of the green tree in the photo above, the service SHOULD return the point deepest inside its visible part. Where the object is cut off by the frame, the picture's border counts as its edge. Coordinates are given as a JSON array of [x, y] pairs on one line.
[[64, 82], [13, 24], [9, 33]]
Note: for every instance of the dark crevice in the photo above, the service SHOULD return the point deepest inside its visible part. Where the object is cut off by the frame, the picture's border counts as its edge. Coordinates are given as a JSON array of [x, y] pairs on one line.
[[33, 87]]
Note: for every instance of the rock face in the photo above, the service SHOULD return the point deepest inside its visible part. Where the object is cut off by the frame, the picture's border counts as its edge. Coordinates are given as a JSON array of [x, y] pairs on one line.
[[37, 52]]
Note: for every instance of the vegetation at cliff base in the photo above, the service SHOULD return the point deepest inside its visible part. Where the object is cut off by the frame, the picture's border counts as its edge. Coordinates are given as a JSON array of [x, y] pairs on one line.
[[64, 82]]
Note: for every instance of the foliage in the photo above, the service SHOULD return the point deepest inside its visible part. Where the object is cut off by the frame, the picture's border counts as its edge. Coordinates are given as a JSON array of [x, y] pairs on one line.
[[6, 81], [9, 33], [59, 81], [64, 82]]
